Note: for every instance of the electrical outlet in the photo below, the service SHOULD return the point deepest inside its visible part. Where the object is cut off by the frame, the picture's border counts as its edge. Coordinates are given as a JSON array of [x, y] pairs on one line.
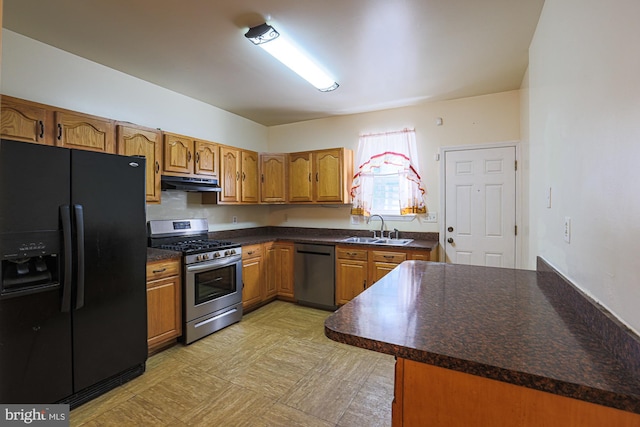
[[431, 217], [567, 229], [234, 219]]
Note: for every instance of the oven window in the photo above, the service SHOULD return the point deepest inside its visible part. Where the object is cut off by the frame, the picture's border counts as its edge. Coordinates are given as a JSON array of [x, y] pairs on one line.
[[216, 283]]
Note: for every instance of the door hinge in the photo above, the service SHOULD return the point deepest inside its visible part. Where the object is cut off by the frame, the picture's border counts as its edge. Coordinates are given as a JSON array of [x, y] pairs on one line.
[[516, 166], [516, 230]]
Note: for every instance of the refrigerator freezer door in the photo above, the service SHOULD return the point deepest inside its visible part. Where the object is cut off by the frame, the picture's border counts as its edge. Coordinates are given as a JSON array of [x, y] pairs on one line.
[[35, 336], [110, 320]]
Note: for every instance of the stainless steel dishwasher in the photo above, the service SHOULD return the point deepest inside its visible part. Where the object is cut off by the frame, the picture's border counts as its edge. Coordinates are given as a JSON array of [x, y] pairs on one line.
[[314, 275]]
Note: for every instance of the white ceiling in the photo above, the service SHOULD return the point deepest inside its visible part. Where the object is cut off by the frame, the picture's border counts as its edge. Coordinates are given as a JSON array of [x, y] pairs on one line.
[[383, 53]]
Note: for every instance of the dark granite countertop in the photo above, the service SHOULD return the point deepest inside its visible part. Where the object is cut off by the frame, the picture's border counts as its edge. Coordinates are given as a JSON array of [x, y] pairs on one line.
[[252, 236], [422, 241], [510, 325], [154, 254]]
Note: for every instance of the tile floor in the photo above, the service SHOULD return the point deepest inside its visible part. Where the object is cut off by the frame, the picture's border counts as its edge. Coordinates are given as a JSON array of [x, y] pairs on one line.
[[274, 368]]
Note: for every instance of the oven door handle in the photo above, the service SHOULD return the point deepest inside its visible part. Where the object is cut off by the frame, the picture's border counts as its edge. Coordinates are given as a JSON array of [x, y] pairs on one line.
[[195, 268]]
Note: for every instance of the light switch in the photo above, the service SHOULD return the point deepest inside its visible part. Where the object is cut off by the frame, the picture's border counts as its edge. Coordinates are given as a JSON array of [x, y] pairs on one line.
[[567, 229]]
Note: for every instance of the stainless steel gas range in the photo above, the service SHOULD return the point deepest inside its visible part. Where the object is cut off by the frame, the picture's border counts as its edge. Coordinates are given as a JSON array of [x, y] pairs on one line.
[[212, 275]]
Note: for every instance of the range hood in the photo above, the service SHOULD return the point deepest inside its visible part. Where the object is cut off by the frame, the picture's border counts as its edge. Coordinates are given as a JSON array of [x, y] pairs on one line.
[[185, 183]]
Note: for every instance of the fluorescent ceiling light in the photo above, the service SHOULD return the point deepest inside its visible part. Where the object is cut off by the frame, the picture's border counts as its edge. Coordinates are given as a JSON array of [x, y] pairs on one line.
[[270, 40]]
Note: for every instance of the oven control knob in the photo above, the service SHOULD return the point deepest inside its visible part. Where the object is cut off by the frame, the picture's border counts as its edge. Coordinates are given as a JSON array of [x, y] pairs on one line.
[[232, 251], [205, 256], [198, 258], [216, 254]]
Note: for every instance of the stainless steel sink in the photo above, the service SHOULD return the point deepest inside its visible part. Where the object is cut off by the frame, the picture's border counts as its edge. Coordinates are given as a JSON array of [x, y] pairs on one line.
[[377, 241], [393, 242], [357, 239]]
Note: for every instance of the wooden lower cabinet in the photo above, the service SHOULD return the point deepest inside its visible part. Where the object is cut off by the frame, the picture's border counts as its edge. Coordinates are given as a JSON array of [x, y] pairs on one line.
[[267, 273], [427, 395], [358, 268], [164, 303], [279, 270], [252, 276]]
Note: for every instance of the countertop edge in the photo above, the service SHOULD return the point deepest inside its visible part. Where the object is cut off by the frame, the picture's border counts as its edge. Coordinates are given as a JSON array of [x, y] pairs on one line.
[[607, 398]]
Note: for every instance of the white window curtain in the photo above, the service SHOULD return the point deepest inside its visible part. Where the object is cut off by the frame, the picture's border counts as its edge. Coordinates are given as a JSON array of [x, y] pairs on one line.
[[391, 154]]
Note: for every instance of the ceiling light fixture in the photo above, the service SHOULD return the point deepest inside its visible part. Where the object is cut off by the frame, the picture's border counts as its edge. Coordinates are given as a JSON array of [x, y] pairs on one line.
[[270, 40]]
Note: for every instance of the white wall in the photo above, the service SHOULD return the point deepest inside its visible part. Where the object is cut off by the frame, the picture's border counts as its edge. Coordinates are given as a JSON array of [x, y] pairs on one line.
[[38, 72], [476, 120], [584, 103]]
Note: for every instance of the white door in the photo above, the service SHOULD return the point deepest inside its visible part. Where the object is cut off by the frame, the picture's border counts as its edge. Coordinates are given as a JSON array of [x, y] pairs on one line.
[[480, 207]]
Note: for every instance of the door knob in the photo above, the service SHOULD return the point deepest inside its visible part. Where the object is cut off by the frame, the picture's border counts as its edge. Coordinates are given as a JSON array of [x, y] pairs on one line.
[[450, 240], [450, 229]]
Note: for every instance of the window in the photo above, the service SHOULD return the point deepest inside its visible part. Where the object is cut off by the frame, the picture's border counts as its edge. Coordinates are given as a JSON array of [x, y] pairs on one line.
[[387, 181]]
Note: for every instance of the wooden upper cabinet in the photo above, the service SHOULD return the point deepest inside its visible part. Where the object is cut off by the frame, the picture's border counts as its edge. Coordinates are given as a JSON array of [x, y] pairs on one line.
[[133, 140], [26, 121], [322, 176], [178, 154], [206, 158], [230, 174], [329, 176], [249, 192], [187, 156], [300, 183], [238, 176], [273, 181], [85, 132]]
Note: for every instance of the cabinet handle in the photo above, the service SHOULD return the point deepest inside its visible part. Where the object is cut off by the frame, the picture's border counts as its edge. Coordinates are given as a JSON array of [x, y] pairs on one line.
[[250, 252], [388, 256], [59, 131], [262, 178], [316, 176], [237, 176], [197, 157], [157, 167], [188, 156], [41, 129], [162, 270], [352, 253], [309, 176], [243, 176], [364, 284]]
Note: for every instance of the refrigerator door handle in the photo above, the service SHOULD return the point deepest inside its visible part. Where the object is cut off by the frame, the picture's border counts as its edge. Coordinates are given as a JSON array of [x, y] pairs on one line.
[[79, 216], [65, 217]]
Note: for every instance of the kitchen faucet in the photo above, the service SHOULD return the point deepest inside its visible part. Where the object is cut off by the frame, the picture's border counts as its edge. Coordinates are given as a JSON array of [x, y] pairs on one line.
[[381, 226]]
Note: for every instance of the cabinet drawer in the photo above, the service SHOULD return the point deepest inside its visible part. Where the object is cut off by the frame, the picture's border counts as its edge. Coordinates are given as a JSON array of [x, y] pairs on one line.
[[160, 269], [392, 257], [251, 251], [349, 253]]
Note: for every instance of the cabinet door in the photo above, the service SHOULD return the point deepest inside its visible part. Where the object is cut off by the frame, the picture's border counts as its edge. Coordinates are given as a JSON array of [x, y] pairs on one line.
[[178, 154], [206, 158], [273, 183], [164, 318], [285, 282], [229, 174], [351, 279], [134, 140], [252, 277], [328, 175], [249, 192], [25, 121], [273, 269], [279, 269], [85, 132], [382, 262], [300, 180]]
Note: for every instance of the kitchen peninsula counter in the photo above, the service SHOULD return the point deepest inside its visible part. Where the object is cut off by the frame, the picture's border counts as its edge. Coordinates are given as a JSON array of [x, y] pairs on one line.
[[527, 329]]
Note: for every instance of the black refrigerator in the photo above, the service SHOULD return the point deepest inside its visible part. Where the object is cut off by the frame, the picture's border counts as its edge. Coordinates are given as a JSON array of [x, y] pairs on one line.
[[73, 313]]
